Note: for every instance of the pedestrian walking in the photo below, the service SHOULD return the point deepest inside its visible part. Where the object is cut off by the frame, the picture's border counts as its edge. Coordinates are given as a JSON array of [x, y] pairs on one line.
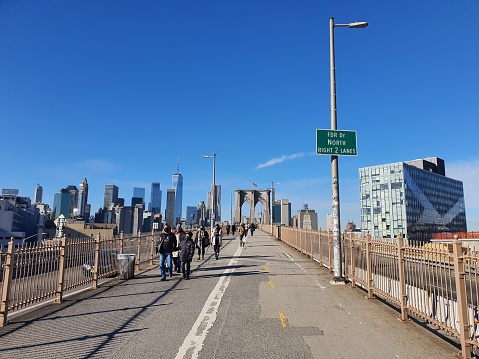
[[233, 229], [202, 241], [228, 227], [252, 227], [180, 234], [241, 231], [187, 252], [166, 245], [246, 227], [216, 239]]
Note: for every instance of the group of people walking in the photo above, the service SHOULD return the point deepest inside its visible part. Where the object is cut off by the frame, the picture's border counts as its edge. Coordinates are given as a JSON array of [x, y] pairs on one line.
[[177, 249]]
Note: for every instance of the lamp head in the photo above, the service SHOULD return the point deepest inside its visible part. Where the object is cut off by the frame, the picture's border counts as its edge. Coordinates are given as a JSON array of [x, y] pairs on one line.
[[358, 24]]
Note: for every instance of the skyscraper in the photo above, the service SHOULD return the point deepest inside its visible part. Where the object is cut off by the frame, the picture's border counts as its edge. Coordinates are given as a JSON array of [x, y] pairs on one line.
[[38, 197], [155, 202], [111, 196], [83, 197], [62, 203], [191, 213], [139, 192], [178, 187], [170, 207], [414, 198]]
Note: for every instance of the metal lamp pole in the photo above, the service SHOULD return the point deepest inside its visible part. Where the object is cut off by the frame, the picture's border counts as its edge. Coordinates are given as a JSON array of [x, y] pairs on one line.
[[213, 194], [337, 263]]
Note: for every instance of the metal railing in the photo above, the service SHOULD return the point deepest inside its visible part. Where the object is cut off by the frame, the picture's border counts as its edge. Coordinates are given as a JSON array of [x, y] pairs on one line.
[[438, 284], [35, 274]]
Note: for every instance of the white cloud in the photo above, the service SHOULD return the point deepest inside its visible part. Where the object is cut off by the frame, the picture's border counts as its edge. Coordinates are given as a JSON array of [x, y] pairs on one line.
[[280, 159]]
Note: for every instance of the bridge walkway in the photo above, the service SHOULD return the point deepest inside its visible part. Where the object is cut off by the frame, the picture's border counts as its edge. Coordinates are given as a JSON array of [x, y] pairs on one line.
[[263, 300]]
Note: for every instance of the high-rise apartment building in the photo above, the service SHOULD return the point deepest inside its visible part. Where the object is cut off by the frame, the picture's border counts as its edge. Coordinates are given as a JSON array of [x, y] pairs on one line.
[[170, 207], [38, 197], [155, 201], [111, 196], [178, 187], [414, 198]]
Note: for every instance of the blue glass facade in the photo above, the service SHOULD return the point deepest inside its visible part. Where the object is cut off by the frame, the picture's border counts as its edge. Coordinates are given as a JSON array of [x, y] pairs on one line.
[[403, 198], [155, 198]]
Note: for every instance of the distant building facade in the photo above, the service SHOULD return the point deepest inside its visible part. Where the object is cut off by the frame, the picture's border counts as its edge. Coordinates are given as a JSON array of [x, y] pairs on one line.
[[155, 200], [38, 197], [414, 198], [110, 197], [170, 207], [177, 185], [307, 218]]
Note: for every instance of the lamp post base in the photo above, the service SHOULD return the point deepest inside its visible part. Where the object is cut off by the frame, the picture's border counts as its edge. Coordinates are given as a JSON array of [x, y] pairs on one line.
[[337, 281]]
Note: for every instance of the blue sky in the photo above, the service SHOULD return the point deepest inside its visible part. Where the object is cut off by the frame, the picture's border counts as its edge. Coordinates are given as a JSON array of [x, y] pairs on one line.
[[115, 91]]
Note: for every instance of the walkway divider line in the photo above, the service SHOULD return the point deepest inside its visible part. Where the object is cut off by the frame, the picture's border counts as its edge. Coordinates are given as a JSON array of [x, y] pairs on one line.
[[194, 341]]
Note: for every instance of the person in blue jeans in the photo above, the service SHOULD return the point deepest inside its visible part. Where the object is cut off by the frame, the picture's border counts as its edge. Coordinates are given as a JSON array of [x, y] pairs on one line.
[[166, 245]]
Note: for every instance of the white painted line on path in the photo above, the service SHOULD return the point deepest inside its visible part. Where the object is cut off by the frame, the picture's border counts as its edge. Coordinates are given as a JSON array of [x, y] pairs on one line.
[[193, 342]]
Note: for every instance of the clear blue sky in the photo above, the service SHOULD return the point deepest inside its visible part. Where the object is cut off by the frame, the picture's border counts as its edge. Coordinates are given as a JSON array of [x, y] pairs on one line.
[[115, 91]]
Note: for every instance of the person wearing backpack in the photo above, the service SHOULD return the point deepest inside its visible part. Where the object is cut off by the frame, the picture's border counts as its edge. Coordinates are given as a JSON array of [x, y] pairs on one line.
[[202, 241], [217, 239]]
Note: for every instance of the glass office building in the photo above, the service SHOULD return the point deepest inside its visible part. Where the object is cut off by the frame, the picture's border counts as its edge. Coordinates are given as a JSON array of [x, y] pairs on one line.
[[414, 198]]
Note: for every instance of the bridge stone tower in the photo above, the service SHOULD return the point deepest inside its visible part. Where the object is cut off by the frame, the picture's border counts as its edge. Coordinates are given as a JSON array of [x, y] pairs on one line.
[[252, 197]]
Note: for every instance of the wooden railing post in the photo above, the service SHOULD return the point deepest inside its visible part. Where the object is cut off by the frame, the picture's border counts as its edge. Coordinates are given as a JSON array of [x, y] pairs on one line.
[[368, 267], [460, 276], [345, 255], [311, 243], [97, 261], [7, 282], [152, 247], [138, 252], [352, 258], [61, 271], [402, 278]]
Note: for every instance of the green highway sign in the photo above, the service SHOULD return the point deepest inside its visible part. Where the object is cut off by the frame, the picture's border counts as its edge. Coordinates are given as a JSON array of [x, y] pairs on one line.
[[336, 143]]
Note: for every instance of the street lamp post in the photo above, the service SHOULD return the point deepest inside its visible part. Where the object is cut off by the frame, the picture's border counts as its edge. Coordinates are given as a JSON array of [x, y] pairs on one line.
[[33, 235], [213, 194], [272, 204], [334, 159]]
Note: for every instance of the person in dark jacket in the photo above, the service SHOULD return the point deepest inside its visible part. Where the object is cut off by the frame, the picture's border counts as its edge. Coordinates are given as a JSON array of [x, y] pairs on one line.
[[228, 227], [233, 229], [187, 251], [252, 227], [166, 245], [202, 241]]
